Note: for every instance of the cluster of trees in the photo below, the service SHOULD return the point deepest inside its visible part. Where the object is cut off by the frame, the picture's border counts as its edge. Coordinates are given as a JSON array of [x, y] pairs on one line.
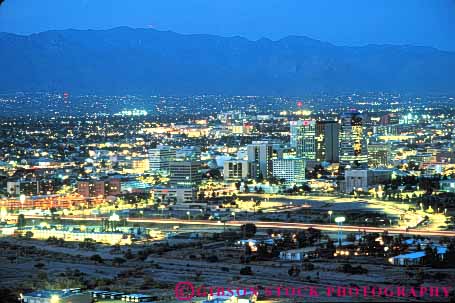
[[247, 271], [248, 230], [134, 198], [52, 240], [353, 270], [88, 244], [432, 258]]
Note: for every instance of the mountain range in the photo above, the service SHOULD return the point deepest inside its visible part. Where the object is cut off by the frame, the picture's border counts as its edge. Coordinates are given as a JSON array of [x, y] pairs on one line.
[[127, 60]]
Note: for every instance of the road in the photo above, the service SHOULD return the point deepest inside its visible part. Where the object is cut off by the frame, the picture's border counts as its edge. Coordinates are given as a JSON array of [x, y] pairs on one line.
[[278, 225]]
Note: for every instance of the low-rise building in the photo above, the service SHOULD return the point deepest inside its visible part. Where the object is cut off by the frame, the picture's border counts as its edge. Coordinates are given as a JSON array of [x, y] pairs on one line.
[[299, 254], [237, 170], [170, 195], [99, 188], [447, 185], [415, 258], [57, 296], [79, 236], [232, 296], [363, 179]]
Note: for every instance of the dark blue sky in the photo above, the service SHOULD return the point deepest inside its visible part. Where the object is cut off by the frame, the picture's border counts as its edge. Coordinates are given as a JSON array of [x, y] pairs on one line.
[[342, 22]]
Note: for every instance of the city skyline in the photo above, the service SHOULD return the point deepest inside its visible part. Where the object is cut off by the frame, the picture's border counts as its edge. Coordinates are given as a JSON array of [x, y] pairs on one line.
[[164, 151]]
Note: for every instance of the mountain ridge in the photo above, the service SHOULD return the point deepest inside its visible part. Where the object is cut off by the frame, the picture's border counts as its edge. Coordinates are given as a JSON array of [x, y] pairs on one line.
[[128, 60]]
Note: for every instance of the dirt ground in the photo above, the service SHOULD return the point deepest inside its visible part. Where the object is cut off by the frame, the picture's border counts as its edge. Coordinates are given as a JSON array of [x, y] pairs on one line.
[[31, 264]]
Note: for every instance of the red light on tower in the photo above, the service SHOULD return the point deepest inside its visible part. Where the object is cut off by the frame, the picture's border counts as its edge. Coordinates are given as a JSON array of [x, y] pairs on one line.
[[299, 103], [65, 97]]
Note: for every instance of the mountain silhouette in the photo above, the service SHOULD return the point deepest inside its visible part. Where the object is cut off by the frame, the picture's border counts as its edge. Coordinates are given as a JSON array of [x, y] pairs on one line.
[[127, 60]]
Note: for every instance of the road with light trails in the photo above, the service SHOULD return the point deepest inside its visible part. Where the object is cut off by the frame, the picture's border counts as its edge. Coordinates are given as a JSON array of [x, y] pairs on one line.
[[263, 224]]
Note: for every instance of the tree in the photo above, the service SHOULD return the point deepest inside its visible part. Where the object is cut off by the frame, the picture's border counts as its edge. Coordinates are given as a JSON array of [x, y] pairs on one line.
[[450, 257], [330, 244], [128, 254], [118, 261], [260, 177], [314, 235], [39, 265], [8, 295], [88, 243], [212, 259], [246, 271], [53, 211], [248, 230], [21, 221], [12, 258], [97, 258], [301, 239], [430, 255], [307, 266], [294, 271]]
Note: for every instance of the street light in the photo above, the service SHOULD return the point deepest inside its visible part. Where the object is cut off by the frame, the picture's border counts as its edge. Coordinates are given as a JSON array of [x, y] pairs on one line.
[[339, 221], [3, 214], [22, 200], [55, 299], [114, 219], [330, 212], [233, 214], [189, 215], [162, 207]]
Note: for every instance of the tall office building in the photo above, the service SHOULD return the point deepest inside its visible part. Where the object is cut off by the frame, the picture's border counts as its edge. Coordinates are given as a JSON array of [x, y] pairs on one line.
[[316, 140], [353, 144], [261, 154], [327, 141], [160, 157], [290, 169], [185, 173], [303, 138]]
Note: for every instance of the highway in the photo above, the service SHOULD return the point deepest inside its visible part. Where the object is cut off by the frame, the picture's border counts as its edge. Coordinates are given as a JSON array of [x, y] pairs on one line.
[[276, 225]]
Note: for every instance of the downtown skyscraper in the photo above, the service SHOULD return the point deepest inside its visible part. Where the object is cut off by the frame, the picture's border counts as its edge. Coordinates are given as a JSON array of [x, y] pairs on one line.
[[353, 143], [316, 140]]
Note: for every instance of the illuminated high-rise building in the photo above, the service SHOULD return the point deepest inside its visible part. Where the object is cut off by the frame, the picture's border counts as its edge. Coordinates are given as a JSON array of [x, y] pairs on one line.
[[260, 153], [185, 173], [160, 157], [379, 155], [316, 140], [327, 141], [353, 143], [292, 170], [303, 138]]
